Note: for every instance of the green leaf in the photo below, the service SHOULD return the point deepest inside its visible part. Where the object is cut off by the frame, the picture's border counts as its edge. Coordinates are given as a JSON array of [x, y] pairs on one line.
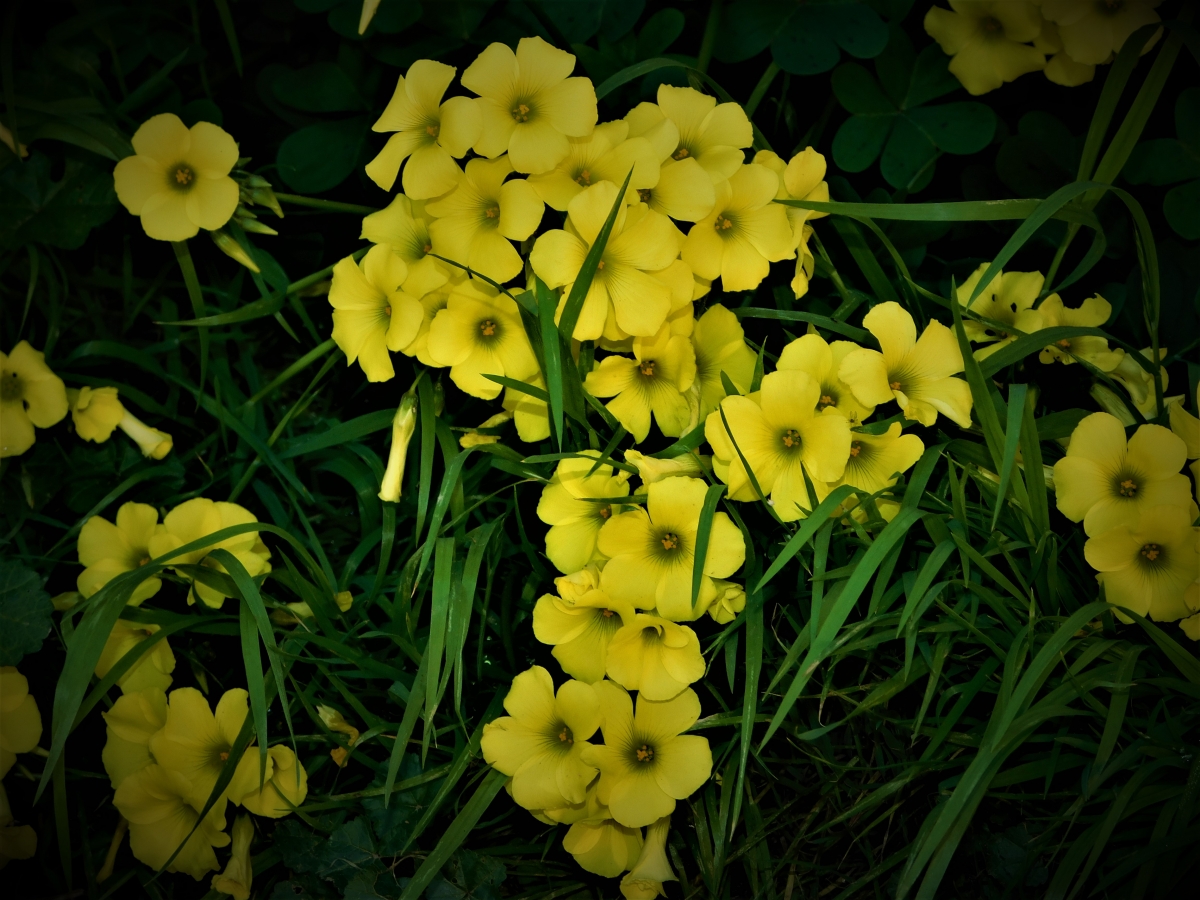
[[25, 612], [35, 209], [320, 157], [858, 91], [323, 87], [1161, 161], [1181, 206], [659, 32], [909, 157], [587, 272], [960, 128], [931, 77], [703, 532]]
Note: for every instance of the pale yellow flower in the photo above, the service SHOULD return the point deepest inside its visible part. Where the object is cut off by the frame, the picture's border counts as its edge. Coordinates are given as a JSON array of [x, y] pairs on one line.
[[20, 720], [986, 40], [1092, 32], [403, 225], [580, 628], [404, 424], [876, 461], [729, 601], [568, 505], [478, 335], [654, 381], [1007, 299], [821, 360], [713, 134], [644, 881], [602, 845], [1060, 68], [1093, 313], [238, 874], [530, 414], [720, 346], [30, 395], [151, 672], [108, 549], [655, 657], [130, 723], [287, 786], [607, 154], [371, 312]]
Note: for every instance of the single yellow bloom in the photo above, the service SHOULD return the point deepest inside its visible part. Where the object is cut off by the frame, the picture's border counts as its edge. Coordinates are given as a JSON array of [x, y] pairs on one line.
[[157, 802], [1149, 563], [371, 312], [1007, 299], [30, 395], [745, 232], [652, 551], [239, 872], [571, 588], [877, 461], [580, 630], [430, 134], [151, 672], [802, 178], [1104, 481], [654, 657], [986, 39], [135, 718], [646, 762], [1092, 32], [651, 469], [729, 601], [720, 346], [108, 549], [541, 740], [607, 154], [97, 412], [1060, 68], [918, 374], [178, 182], [478, 336], [603, 846], [781, 436], [569, 507], [20, 841], [404, 424], [654, 381], [530, 414], [20, 720], [1094, 312], [1183, 423], [687, 124], [681, 189], [812, 354], [529, 104], [403, 225], [644, 881], [1138, 382], [287, 784]]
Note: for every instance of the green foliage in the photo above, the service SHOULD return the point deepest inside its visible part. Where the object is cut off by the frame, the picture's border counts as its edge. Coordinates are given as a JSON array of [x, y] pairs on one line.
[[805, 38], [25, 611], [1165, 161]]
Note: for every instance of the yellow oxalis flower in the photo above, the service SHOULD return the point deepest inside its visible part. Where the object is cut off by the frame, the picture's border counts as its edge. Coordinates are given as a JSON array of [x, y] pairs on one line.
[[713, 134], [730, 600], [198, 518], [540, 742], [97, 412], [580, 630], [286, 787], [876, 461], [478, 335], [1138, 382], [151, 672], [918, 374], [601, 845], [1186, 426], [744, 234], [158, 804], [196, 743], [1149, 564], [1093, 313], [1104, 481], [654, 657], [1007, 299], [646, 762], [108, 549], [30, 395], [651, 469], [130, 723], [404, 425], [1060, 68], [238, 874], [430, 134], [812, 354], [681, 189], [574, 518], [178, 182], [986, 40], [1092, 32], [781, 435], [644, 881], [720, 346], [607, 154], [803, 178], [622, 291], [652, 551], [654, 381], [403, 225], [20, 841], [474, 222], [529, 104], [530, 414], [20, 720], [371, 312]]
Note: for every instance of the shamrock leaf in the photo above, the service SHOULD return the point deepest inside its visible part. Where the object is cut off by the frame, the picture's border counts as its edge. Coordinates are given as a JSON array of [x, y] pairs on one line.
[[25, 611], [34, 208], [393, 823], [1171, 161], [805, 37], [1040, 157], [471, 877]]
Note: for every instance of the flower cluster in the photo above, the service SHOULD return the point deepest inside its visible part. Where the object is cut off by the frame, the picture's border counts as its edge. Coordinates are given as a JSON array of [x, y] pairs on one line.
[[20, 731]]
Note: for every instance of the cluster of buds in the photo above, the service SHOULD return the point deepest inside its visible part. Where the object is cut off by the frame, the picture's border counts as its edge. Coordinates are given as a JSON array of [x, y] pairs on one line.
[[252, 190]]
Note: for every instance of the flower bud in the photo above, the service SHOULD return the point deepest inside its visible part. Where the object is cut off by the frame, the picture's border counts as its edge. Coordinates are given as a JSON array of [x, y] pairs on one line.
[[651, 469], [730, 600], [644, 881], [403, 426], [233, 249], [574, 586], [334, 721], [153, 443]]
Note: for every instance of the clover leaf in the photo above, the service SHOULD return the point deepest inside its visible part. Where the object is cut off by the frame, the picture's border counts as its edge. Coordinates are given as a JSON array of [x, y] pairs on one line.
[[1166, 161], [805, 37], [25, 611]]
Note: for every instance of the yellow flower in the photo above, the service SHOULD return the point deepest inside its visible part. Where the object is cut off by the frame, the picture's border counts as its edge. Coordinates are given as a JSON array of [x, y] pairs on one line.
[[651, 469], [109, 549], [529, 104], [1091, 32], [477, 436], [404, 424], [541, 740], [654, 657], [476, 336], [1094, 312], [1183, 423], [96, 412], [198, 518], [130, 723], [530, 414], [918, 374], [810, 353], [781, 436], [1102, 481], [603, 846], [1008, 299], [1149, 564], [286, 787], [20, 721], [622, 292], [474, 222], [239, 872], [876, 461], [644, 881], [430, 134], [20, 841], [745, 232], [1060, 68], [336, 722], [690, 125], [574, 586], [730, 600], [646, 762], [607, 154], [151, 672], [802, 178], [652, 551], [720, 346], [681, 189], [403, 225], [574, 517], [986, 40], [1138, 382], [30, 395], [178, 182], [654, 381], [371, 312], [157, 802], [580, 631]]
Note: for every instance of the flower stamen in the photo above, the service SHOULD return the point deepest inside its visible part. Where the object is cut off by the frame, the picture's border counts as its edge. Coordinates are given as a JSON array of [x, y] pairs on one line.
[[670, 541], [855, 448], [183, 175], [647, 368], [723, 223], [520, 112], [791, 438], [492, 212], [487, 328], [1151, 551], [1128, 488], [645, 753]]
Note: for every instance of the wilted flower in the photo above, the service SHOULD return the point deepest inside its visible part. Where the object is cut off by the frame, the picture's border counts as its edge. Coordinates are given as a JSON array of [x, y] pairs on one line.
[[286, 787], [239, 872]]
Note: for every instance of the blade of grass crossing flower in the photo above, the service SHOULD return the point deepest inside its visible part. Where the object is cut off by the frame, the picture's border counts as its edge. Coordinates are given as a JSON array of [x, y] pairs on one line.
[[1012, 437], [868, 264], [252, 659], [749, 470], [808, 527], [703, 533], [547, 304], [686, 444], [192, 282]]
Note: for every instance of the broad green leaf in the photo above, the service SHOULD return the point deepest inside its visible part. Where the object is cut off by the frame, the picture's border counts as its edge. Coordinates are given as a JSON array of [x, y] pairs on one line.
[[25, 612]]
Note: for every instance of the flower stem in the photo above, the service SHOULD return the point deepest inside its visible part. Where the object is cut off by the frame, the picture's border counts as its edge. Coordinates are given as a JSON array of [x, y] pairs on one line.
[[760, 89], [328, 205], [184, 257], [710, 36]]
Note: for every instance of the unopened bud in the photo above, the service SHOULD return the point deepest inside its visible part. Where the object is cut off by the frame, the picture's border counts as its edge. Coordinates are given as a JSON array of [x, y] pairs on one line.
[[651, 469], [368, 13], [153, 443], [403, 425], [233, 249]]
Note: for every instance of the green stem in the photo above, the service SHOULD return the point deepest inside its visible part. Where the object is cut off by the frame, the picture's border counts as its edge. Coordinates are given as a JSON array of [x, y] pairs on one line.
[[760, 89], [328, 205], [184, 257], [710, 36]]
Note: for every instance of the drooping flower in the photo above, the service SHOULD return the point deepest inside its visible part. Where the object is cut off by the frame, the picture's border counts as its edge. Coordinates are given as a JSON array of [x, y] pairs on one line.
[[652, 551], [430, 134], [603, 846], [153, 669], [239, 872], [20, 720], [1091, 33], [644, 881], [371, 312], [404, 424], [30, 396], [745, 232], [812, 354], [986, 39], [720, 346], [108, 549], [540, 742], [1149, 564], [130, 723], [646, 762], [876, 461], [529, 104], [97, 412], [607, 154], [730, 600], [1007, 299], [651, 469], [654, 657], [918, 374], [20, 841], [622, 292], [478, 336], [568, 505], [403, 226], [654, 381], [1104, 481], [336, 722], [286, 787], [580, 630], [1094, 312], [178, 180]]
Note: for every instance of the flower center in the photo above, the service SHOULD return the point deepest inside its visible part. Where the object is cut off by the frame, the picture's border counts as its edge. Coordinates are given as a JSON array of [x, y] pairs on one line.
[[1065, 343], [492, 212], [644, 194], [143, 561], [565, 736], [488, 328], [11, 388], [723, 223], [681, 153], [387, 310], [608, 613], [645, 753], [855, 448], [647, 368], [584, 178], [183, 175], [520, 112], [224, 755], [894, 385], [790, 438], [1151, 552], [991, 26], [826, 400], [605, 512], [1127, 488], [670, 541], [427, 248], [432, 130]]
